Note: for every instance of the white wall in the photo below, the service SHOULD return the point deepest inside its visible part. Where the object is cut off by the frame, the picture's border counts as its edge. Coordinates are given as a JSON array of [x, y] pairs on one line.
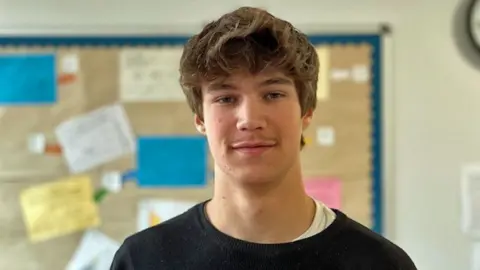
[[433, 131]]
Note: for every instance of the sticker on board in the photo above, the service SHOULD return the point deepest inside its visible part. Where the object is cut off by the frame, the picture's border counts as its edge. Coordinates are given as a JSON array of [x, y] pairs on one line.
[[325, 136]]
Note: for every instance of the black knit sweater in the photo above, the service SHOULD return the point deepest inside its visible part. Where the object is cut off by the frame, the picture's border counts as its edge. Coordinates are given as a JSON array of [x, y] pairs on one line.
[[190, 241]]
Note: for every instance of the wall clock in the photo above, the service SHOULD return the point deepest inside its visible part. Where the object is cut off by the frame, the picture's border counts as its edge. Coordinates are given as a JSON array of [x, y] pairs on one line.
[[473, 23]]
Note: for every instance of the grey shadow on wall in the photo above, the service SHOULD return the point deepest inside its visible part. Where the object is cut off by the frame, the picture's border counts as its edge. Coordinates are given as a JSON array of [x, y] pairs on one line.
[[461, 36]]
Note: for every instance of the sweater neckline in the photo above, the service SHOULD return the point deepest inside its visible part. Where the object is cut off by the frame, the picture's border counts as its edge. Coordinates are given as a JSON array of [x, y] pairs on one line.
[[320, 240]]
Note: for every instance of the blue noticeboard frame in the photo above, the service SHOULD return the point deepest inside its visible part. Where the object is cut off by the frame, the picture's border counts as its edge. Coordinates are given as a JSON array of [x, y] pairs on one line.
[[374, 40]]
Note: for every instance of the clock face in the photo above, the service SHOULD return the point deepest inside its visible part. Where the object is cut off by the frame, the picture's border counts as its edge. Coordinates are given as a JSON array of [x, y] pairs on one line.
[[474, 23]]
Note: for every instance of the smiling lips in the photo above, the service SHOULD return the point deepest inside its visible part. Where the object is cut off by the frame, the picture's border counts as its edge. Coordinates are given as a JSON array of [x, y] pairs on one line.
[[253, 147]]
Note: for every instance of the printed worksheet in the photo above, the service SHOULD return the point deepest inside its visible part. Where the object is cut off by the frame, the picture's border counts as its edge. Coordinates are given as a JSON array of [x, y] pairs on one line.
[[154, 211], [150, 74], [95, 138], [95, 252]]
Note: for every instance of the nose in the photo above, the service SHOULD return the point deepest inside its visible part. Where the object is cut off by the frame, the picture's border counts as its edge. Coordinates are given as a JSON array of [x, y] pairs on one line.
[[250, 115]]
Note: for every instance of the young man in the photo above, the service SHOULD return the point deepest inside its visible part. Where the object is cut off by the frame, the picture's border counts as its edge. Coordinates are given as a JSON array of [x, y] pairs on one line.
[[250, 79]]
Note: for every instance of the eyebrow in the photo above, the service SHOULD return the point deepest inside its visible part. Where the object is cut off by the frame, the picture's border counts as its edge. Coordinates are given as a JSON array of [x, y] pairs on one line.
[[225, 85], [277, 80]]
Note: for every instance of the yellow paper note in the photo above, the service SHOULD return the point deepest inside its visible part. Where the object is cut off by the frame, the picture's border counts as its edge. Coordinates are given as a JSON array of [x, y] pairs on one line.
[[154, 219], [58, 208], [323, 85]]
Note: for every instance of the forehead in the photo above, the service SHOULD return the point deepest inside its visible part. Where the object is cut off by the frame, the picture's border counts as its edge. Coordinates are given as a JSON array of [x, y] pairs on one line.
[[239, 79]]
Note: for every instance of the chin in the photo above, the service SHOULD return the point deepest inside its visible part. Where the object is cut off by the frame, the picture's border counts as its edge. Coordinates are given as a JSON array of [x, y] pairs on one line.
[[255, 177]]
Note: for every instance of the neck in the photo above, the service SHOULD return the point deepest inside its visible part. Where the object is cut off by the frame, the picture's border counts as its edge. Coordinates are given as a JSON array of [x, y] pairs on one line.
[[261, 213]]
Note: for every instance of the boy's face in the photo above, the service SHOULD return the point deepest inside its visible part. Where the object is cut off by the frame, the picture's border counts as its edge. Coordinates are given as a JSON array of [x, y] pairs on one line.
[[253, 124]]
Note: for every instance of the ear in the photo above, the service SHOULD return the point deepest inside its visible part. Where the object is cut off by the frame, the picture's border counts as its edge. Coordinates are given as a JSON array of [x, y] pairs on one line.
[[307, 118], [199, 124]]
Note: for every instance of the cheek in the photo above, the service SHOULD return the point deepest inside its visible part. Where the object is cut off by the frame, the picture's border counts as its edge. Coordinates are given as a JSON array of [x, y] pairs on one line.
[[215, 126]]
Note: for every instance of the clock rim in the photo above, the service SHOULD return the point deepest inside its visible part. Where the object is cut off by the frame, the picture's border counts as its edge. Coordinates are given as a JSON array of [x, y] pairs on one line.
[[470, 10]]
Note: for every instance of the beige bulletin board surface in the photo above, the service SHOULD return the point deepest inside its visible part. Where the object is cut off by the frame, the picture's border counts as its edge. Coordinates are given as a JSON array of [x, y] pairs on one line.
[[344, 152]]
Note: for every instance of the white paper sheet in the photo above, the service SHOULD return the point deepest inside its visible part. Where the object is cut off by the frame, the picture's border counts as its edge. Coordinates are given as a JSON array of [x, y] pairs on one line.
[[360, 73], [112, 181], [338, 75], [95, 252], [150, 74], [325, 136], [95, 138], [154, 211], [476, 256], [470, 196], [70, 63]]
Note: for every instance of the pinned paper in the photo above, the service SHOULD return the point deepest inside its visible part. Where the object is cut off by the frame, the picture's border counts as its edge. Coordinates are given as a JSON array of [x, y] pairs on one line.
[[37, 143], [476, 256], [166, 161], [95, 252], [95, 138], [308, 140], [326, 190], [470, 196], [112, 181], [58, 208], [154, 211], [150, 74], [360, 73], [325, 136], [323, 85], [66, 78], [338, 75], [70, 64], [28, 79]]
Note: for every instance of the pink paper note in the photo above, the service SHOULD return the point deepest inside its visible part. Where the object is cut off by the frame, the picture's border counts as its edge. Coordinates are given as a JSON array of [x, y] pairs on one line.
[[326, 190]]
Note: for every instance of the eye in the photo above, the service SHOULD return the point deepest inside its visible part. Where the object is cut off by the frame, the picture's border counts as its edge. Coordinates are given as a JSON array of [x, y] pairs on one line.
[[226, 99], [273, 95]]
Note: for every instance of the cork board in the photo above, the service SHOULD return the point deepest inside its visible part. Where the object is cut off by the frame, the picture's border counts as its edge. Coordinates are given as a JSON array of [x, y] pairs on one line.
[[350, 108]]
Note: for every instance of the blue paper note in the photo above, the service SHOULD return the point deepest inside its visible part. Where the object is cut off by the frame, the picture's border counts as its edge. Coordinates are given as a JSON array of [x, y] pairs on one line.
[[168, 161], [27, 79]]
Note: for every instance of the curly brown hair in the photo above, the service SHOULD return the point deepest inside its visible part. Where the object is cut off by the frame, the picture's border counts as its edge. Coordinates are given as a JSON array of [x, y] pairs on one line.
[[249, 39]]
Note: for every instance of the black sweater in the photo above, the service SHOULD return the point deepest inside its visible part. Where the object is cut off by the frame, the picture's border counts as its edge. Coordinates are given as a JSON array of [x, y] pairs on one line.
[[190, 241]]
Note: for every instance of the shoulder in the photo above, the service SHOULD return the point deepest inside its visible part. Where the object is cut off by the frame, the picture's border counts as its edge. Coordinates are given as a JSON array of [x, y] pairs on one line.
[[372, 247], [164, 238]]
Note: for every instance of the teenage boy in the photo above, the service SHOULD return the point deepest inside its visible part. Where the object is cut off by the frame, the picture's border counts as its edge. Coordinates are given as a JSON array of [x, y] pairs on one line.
[[250, 79]]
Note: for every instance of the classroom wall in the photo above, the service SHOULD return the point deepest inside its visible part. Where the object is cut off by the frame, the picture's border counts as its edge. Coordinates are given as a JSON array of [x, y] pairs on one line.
[[432, 132]]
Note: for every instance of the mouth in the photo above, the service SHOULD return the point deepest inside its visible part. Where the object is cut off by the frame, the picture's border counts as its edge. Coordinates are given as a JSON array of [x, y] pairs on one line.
[[253, 148]]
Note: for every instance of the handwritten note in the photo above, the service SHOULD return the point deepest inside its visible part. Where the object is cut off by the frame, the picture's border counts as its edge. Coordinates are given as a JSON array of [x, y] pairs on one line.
[[323, 84], [150, 74], [95, 252], [59, 207], [95, 138], [153, 211], [326, 190]]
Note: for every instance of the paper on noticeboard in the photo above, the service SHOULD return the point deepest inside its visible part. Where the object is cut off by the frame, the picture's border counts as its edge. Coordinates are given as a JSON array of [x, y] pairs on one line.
[[470, 196], [95, 252], [323, 84], [58, 208], [475, 256], [150, 74], [326, 190], [95, 138], [154, 211]]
